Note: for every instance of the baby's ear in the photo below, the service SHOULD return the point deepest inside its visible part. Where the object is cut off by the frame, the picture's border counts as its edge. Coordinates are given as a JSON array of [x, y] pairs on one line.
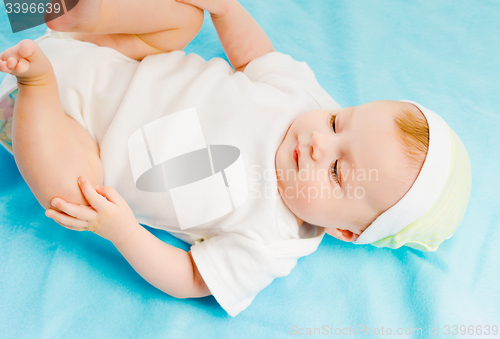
[[344, 235]]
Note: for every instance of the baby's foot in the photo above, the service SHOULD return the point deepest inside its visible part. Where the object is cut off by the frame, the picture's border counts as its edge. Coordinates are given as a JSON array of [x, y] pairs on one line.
[[28, 63], [82, 17]]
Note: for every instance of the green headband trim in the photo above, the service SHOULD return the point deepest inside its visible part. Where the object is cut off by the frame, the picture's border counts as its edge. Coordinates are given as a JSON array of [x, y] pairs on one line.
[[441, 221]]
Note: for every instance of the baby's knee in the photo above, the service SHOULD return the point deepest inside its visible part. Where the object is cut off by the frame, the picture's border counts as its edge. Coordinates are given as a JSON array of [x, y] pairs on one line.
[[191, 22], [187, 25], [66, 186], [64, 189]]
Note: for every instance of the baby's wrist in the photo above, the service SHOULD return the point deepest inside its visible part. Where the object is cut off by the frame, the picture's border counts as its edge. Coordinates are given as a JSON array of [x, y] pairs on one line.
[[126, 234]]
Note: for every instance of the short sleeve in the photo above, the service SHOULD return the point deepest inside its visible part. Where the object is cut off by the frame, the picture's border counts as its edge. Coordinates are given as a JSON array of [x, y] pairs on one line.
[[236, 268], [283, 72]]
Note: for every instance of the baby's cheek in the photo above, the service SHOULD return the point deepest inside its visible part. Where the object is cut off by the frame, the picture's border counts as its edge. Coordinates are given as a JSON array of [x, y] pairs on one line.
[[307, 201], [308, 192]]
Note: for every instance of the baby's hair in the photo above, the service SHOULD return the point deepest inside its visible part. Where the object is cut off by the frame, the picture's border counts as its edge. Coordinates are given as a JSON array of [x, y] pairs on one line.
[[413, 132]]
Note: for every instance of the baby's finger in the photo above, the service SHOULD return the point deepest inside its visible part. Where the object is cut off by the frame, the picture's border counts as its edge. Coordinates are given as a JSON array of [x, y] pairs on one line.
[[3, 67], [81, 212], [111, 194], [95, 199], [66, 220]]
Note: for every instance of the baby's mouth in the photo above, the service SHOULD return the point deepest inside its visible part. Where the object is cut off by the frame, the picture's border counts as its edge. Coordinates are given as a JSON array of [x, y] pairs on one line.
[[296, 154]]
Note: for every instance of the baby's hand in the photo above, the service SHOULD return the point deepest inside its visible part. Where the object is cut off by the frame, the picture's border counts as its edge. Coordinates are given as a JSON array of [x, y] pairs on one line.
[[109, 216], [216, 8]]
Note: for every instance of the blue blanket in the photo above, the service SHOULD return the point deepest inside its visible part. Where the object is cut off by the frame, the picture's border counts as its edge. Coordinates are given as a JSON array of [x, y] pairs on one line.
[[57, 283]]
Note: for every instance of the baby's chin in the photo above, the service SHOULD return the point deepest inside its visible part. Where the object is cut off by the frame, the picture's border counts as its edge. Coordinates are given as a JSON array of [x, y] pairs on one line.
[[291, 204]]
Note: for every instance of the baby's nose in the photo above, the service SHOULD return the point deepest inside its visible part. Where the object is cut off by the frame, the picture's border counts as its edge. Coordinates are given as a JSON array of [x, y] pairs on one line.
[[323, 145], [315, 138], [317, 145]]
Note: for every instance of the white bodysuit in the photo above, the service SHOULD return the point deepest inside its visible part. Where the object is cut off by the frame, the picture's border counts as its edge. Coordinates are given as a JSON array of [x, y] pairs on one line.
[[242, 251]]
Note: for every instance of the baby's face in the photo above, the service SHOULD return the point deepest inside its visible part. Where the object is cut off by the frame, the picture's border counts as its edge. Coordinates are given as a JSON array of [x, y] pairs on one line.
[[342, 168]]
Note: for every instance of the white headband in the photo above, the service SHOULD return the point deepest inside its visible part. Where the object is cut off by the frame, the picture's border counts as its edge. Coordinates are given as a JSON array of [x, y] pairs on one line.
[[426, 188]]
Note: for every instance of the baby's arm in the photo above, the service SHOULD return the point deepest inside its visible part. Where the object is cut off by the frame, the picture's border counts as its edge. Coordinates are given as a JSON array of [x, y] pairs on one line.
[[166, 267], [240, 35]]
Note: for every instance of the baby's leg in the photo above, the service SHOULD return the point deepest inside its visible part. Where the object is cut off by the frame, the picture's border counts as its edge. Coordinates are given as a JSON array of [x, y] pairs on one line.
[[51, 150], [135, 28]]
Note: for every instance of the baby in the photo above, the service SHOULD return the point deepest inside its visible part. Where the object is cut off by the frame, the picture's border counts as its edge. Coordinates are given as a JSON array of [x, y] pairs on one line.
[[388, 173]]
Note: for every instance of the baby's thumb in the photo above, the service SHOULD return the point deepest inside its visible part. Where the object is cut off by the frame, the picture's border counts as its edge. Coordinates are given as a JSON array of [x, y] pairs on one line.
[[110, 193]]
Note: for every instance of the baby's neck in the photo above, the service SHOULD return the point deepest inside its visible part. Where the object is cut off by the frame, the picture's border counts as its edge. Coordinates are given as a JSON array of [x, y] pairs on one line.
[[299, 221]]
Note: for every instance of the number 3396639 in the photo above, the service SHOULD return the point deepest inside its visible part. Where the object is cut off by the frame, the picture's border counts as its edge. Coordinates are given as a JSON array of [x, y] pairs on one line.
[[32, 8]]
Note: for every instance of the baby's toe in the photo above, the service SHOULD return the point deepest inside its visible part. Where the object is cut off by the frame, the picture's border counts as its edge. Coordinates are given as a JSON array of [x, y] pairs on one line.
[[11, 63], [3, 67], [22, 66], [27, 48]]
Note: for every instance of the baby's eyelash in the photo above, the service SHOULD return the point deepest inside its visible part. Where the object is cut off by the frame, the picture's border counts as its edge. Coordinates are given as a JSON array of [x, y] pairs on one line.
[[332, 121], [333, 171], [333, 167]]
